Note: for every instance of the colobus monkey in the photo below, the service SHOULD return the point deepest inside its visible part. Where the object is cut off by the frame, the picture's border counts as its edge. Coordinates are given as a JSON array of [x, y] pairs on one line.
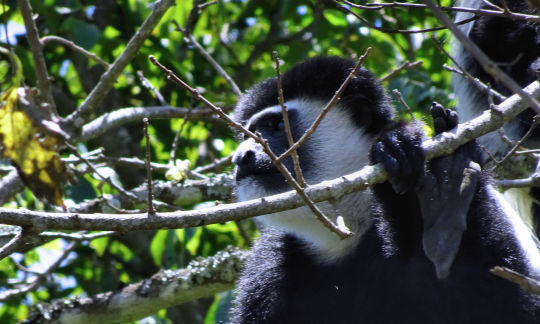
[[515, 46], [393, 269]]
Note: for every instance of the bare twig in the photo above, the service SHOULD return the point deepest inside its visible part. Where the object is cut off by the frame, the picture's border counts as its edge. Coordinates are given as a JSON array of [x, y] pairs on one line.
[[190, 39], [216, 165], [9, 186], [147, 84], [121, 190], [287, 125], [475, 81], [90, 104], [396, 31], [532, 181], [122, 116], [12, 245], [207, 4], [488, 65], [341, 232], [81, 236], [49, 39], [404, 66], [40, 278], [442, 144], [526, 283], [479, 12], [36, 47], [536, 121], [328, 106], [403, 102], [176, 140], [479, 84], [150, 210]]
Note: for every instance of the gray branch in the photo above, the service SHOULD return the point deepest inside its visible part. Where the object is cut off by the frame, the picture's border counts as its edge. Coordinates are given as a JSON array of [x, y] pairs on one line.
[[80, 116], [442, 144], [202, 277], [123, 116]]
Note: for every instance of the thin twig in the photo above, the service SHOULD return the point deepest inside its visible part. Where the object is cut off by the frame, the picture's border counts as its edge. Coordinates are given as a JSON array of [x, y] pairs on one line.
[[190, 39], [176, 140], [216, 165], [207, 4], [12, 245], [475, 81], [342, 233], [98, 93], [243, 233], [526, 283], [116, 118], [148, 85], [536, 121], [328, 106], [396, 31], [41, 277], [36, 47], [150, 209], [479, 12], [49, 39], [121, 190], [81, 236], [488, 65], [287, 128], [404, 66], [531, 181], [403, 102]]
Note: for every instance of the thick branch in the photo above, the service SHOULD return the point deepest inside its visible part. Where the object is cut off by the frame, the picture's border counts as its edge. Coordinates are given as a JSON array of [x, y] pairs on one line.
[[488, 65], [80, 116], [9, 186], [203, 277], [122, 116], [442, 144]]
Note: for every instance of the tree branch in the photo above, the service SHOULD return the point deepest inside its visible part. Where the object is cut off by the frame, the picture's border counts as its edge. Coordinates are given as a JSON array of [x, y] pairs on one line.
[[122, 116], [486, 63], [80, 116], [442, 144], [36, 47], [202, 277]]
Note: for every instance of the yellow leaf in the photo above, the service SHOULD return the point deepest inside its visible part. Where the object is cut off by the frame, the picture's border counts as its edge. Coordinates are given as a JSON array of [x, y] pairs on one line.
[[32, 151]]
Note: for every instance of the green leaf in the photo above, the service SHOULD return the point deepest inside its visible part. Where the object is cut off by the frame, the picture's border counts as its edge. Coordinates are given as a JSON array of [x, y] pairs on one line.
[[157, 246]]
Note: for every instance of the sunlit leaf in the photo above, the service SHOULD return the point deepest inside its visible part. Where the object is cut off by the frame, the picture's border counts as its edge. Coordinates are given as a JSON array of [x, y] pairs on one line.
[[31, 151]]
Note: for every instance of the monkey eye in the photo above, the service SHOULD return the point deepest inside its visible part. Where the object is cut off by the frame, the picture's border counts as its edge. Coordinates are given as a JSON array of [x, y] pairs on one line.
[[280, 126]]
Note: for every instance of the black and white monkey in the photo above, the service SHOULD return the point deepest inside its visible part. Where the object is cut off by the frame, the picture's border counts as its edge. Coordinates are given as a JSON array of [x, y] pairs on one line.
[[300, 272], [515, 46]]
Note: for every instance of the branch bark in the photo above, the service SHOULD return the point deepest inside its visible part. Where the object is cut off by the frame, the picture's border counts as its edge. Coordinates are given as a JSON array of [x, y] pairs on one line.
[[122, 116], [202, 277], [80, 116], [442, 144]]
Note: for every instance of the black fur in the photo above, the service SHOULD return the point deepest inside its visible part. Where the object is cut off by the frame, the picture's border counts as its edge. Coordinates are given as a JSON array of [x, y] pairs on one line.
[[515, 46], [386, 277], [319, 78]]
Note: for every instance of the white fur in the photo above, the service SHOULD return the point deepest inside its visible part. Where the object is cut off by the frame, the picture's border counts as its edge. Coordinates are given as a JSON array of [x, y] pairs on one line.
[[521, 201], [522, 232], [331, 146]]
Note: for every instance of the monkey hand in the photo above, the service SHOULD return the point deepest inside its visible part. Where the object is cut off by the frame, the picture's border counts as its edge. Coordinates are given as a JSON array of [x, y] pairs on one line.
[[400, 152]]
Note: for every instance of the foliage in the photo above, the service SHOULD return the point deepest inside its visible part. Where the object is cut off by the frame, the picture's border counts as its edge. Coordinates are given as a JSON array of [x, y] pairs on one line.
[[240, 36]]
